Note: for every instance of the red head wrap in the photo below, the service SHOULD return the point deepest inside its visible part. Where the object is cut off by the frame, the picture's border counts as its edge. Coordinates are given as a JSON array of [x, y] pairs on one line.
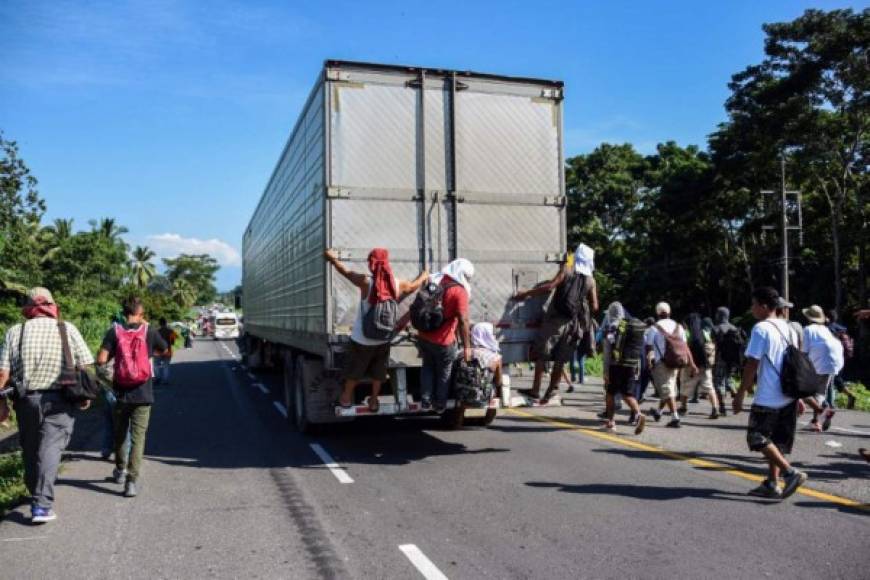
[[40, 307], [383, 283]]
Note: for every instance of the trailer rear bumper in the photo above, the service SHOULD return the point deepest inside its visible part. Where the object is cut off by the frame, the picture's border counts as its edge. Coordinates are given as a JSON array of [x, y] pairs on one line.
[[394, 409]]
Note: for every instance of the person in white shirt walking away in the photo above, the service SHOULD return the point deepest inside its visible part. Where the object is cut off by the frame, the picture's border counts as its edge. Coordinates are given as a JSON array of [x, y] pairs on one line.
[[826, 354], [773, 417]]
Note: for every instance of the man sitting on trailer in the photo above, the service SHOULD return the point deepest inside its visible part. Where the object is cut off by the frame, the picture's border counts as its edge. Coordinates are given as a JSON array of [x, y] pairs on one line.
[[568, 319], [369, 357]]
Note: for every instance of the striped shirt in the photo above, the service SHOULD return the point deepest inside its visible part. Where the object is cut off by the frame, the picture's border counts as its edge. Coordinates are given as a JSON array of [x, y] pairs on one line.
[[42, 352]]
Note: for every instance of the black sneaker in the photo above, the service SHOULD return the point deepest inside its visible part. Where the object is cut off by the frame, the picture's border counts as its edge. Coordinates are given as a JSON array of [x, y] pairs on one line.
[[632, 419], [602, 415], [792, 482], [767, 490], [683, 411], [723, 411], [673, 424], [570, 389], [655, 414], [119, 476], [693, 400], [714, 415]]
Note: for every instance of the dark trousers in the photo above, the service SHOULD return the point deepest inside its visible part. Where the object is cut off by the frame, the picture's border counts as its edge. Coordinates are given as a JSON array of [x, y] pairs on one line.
[[436, 372], [45, 425]]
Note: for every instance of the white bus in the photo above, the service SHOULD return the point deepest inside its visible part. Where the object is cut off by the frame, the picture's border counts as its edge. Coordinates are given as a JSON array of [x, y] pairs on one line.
[[225, 325]]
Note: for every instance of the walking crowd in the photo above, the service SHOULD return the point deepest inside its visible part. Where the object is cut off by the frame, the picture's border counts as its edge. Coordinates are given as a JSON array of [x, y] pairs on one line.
[[45, 364]]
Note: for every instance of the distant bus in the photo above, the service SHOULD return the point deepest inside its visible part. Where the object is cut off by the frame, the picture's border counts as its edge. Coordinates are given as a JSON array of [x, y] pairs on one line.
[[225, 325]]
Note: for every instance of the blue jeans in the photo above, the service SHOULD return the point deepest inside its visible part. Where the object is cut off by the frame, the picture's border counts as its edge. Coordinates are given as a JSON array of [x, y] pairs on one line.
[[109, 425], [436, 372], [578, 368], [161, 369]]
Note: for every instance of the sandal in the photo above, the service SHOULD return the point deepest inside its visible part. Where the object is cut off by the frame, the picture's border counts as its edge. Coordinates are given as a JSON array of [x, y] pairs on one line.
[[338, 403], [374, 404]]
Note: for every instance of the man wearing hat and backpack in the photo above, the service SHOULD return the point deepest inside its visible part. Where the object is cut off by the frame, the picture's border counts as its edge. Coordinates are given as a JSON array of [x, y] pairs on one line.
[[667, 352], [32, 356], [826, 353]]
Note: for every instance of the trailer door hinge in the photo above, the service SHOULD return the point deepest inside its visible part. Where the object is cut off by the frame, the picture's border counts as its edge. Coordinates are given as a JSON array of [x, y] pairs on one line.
[[558, 257], [337, 193]]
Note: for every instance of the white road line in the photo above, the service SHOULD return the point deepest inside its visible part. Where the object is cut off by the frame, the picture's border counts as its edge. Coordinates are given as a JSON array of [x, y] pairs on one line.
[[339, 473], [24, 539], [280, 408], [252, 377], [422, 563], [264, 390]]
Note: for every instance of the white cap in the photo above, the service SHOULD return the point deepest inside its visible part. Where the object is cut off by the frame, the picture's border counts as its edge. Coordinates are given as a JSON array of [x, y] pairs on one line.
[[663, 308]]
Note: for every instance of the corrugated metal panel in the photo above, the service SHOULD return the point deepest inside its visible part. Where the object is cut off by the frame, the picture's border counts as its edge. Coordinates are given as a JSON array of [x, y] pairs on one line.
[[507, 144]]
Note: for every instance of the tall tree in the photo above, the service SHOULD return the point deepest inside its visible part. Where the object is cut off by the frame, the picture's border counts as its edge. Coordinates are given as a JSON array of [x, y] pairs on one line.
[[142, 270], [199, 270]]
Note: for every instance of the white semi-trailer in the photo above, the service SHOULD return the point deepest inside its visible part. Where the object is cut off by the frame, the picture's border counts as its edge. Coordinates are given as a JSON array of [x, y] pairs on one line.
[[431, 164]]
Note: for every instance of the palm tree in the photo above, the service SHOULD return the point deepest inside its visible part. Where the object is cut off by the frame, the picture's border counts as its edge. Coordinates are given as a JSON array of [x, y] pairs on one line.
[[54, 236], [183, 293], [108, 228], [142, 271]]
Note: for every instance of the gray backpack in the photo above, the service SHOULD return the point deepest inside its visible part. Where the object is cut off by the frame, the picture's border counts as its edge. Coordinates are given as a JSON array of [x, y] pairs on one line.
[[379, 323]]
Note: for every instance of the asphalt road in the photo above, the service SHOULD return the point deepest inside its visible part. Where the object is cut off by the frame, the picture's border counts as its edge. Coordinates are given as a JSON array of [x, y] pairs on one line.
[[228, 491]]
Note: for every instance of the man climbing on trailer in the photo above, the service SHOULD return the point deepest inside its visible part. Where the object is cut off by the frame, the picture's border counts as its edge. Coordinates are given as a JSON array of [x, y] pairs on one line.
[[375, 322]]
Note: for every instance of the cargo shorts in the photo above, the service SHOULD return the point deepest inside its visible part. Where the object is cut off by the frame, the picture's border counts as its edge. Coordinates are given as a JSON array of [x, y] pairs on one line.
[[703, 381], [665, 380], [367, 362], [768, 425]]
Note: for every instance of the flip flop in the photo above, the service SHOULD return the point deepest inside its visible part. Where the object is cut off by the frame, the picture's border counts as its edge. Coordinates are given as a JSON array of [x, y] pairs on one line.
[[376, 407]]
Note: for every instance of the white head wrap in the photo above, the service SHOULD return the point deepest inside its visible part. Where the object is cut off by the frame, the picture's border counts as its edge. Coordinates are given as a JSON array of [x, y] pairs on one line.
[[584, 260], [460, 270], [483, 336]]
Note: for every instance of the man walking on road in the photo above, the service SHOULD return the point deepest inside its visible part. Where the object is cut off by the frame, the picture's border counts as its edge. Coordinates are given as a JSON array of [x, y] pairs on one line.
[[32, 357], [164, 359], [664, 369], [623, 352], [131, 345], [370, 356], [826, 354], [773, 417], [730, 343], [568, 319]]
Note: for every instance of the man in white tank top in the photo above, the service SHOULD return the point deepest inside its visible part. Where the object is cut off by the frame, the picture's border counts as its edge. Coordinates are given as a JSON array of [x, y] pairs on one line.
[[369, 358]]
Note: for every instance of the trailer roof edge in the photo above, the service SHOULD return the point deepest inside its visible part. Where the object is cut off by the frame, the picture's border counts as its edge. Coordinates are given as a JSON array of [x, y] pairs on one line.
[[330, 63]]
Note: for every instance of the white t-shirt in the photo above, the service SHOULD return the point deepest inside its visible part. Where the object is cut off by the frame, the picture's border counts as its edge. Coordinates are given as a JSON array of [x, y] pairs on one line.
[[656, 339], [825, 349], [767, 345]]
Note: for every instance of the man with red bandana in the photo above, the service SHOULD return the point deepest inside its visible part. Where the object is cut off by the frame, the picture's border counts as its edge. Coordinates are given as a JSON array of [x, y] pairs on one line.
[[368, 357], [31, 357]]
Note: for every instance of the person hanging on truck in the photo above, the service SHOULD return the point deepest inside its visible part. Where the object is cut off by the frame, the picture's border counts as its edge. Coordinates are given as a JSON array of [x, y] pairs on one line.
[[440, 309], [375, 322], [568, 320]]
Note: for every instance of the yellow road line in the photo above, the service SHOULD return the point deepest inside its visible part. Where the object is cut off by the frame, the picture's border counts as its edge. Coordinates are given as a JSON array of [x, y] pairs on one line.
[[697, 462]]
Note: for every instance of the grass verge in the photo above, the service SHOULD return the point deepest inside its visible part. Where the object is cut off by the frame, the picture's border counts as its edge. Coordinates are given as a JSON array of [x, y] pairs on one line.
[[862, 397], [12, 490]]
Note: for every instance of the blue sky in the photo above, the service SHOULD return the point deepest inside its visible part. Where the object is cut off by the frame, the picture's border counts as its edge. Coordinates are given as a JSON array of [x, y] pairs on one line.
[[170, 115]]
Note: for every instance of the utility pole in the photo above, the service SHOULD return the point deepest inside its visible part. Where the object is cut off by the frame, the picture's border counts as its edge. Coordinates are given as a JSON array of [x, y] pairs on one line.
[[784, 225]]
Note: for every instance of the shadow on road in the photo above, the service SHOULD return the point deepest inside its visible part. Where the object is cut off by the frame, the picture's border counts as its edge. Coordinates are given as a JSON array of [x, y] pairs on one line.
[[648, 492]]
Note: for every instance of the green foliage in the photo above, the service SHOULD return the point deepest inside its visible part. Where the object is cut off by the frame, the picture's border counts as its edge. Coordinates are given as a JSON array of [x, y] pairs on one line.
[[142, 270], [199, 271], [594, 366], [12, 488], [862, 397]]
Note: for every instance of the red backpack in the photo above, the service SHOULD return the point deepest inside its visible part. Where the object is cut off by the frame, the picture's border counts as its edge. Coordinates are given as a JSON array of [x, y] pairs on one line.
[[132, 359], [676, 355]]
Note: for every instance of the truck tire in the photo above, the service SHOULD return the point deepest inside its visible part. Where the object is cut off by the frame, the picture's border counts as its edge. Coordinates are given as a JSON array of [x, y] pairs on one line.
[[481, 421], [453, 419]]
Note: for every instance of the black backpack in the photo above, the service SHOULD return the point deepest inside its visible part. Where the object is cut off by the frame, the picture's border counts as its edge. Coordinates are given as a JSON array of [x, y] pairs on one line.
[[798, 376], [472, 384], [379, 323], [427, 310], [731, 346], [629, 347], [570, 298]]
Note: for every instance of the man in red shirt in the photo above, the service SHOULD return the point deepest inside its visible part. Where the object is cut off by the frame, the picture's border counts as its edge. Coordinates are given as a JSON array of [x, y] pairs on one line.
[[438, 348]]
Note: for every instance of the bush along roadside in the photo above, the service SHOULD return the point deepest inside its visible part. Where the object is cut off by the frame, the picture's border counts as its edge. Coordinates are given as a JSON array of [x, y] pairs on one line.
[[861, 394], [12, 489]]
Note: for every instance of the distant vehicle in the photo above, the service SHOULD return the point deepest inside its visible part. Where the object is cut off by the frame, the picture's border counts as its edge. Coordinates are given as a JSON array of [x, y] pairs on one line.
[[225, 325], [433, 165]]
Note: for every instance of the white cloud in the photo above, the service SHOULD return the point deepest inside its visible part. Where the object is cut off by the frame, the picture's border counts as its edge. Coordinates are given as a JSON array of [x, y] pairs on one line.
[[171, 245]]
